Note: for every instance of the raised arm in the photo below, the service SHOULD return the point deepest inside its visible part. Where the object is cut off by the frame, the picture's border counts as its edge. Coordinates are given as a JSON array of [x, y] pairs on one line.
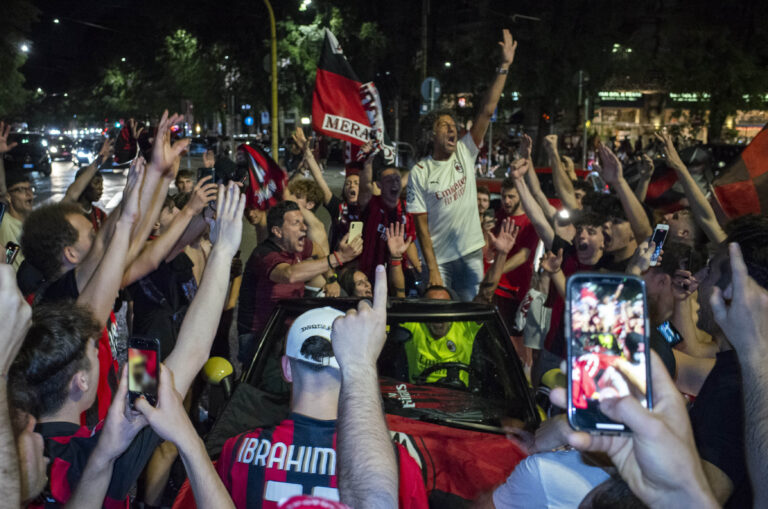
[[306, 270], [309, 158], [533, 180], [77, 187], [169, 420], [15, 316], [100, 291], [646, 172], [397, 244], [551, 265], [202, 319], [614, 176], [701, 210], [163, 247], [491, 99], [563, 183], [502, 244], [532, 209], [368, 471], [366, 177]]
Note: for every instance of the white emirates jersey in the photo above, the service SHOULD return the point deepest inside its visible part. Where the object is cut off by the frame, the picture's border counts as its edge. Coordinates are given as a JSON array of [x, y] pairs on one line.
[[447, 192]]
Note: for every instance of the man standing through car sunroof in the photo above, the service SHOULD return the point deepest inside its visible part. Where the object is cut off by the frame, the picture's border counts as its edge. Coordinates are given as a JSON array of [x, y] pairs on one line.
[[264, 466], [442, 193]]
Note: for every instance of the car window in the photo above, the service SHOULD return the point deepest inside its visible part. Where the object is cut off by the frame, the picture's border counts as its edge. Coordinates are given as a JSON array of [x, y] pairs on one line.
[[456, 370]]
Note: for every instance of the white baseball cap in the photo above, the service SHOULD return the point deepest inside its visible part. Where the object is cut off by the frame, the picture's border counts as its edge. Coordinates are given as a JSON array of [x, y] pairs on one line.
[[316, 322]]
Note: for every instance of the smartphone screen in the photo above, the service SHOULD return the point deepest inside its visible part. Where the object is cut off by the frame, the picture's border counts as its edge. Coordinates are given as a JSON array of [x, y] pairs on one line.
[[11, 250], [355, 229], [659, 236], [670, 334], [206, 172], [607, 333], [143, 364]]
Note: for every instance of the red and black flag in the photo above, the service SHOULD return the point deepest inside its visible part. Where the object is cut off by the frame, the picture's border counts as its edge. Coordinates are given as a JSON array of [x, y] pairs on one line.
[[336, 107], [266, 180], [743, 188]]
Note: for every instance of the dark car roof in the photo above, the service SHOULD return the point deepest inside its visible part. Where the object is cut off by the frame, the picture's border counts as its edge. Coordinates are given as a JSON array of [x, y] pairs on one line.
[[399, 308]]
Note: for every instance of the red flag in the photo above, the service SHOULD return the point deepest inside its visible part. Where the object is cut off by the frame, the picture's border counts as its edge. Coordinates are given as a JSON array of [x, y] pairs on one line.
[[743, 188], [266, 179], [336, 107]]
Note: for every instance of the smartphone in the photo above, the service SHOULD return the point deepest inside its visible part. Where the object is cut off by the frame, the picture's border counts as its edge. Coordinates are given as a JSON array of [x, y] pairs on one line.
[[670, 333], [11, 250], [606, 329], [659, 236], [355, 229], [143, 366], [206, 172]]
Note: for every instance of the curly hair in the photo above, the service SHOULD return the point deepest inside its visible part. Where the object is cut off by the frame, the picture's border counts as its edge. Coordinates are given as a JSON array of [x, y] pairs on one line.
[[307, 189], [54, 350], [45, 234]]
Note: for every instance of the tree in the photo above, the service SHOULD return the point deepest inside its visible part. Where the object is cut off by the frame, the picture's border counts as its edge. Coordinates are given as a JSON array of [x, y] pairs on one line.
[[17, 18]]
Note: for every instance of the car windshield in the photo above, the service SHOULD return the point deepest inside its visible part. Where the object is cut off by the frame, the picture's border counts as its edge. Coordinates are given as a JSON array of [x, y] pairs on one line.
[[460, 373]]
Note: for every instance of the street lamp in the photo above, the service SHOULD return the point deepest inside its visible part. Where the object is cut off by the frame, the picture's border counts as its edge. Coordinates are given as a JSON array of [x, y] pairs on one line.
[[55, 21], [448, 64], [24, 48], [273, 41]]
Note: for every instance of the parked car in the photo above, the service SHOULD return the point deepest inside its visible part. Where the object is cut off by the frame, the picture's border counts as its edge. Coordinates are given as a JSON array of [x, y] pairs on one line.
[[31, 153], [86, 150], [61, 148], [452, 426]]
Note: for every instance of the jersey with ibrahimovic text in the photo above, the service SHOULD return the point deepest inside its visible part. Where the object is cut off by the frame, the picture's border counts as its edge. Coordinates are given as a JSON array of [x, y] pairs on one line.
[[266, 466], [68, 447]]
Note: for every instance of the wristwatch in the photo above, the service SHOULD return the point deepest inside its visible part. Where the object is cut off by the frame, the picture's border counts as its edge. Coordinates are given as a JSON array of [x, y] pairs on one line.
[[501, 70], [332, 279]]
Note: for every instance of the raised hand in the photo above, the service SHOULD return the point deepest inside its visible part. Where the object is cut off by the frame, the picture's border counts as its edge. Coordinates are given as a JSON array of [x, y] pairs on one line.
[[673, 158], [204, 193], [552, 262], [15, 316], [122, 423], [526, 145], [106, 150], [550, 143], [135, 129], [508, 48], [396, 241], [683, 284], [168, 419], [350, 249], [163, 151], [646, 166], [5, 130], [519, 168], [641, 260], [228, 229], [745, 318], [209, 159], [359, 336], [611, 166], [505, 240], [300, 139], [659, 459], [132, 191]]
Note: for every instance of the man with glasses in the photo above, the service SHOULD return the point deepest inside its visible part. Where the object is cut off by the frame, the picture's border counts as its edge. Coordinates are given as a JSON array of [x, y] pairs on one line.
[[21, 196]]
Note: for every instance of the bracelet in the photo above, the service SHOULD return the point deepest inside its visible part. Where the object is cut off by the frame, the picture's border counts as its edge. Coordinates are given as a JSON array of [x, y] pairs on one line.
[[328, 259], [338, 260], [396, 263], [394, 258], [333, 279], [501, 70]]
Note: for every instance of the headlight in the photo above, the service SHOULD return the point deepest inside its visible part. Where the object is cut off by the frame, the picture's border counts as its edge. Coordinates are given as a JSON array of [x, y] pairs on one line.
[[44, 143], [53, 149], [83, 154]]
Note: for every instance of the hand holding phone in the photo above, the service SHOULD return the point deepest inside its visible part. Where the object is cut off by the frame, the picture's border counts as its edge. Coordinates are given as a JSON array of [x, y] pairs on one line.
[[355, 230], [143, 364], [659, 237], [608, 351]]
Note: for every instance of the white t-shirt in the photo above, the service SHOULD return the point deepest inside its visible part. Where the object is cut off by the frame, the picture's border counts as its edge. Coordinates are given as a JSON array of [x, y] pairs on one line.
[[10, 230], [447, 192], [553, 480]]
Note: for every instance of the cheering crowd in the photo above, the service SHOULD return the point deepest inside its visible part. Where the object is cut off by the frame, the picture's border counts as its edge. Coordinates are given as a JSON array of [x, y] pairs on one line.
[[70, 436]]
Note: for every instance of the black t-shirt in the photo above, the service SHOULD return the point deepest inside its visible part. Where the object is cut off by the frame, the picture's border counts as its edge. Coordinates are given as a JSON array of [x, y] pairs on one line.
[[68, 446], [608, 263], [341, 215], [161, 300], [29, 278], [717, 419], [64, 288]]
